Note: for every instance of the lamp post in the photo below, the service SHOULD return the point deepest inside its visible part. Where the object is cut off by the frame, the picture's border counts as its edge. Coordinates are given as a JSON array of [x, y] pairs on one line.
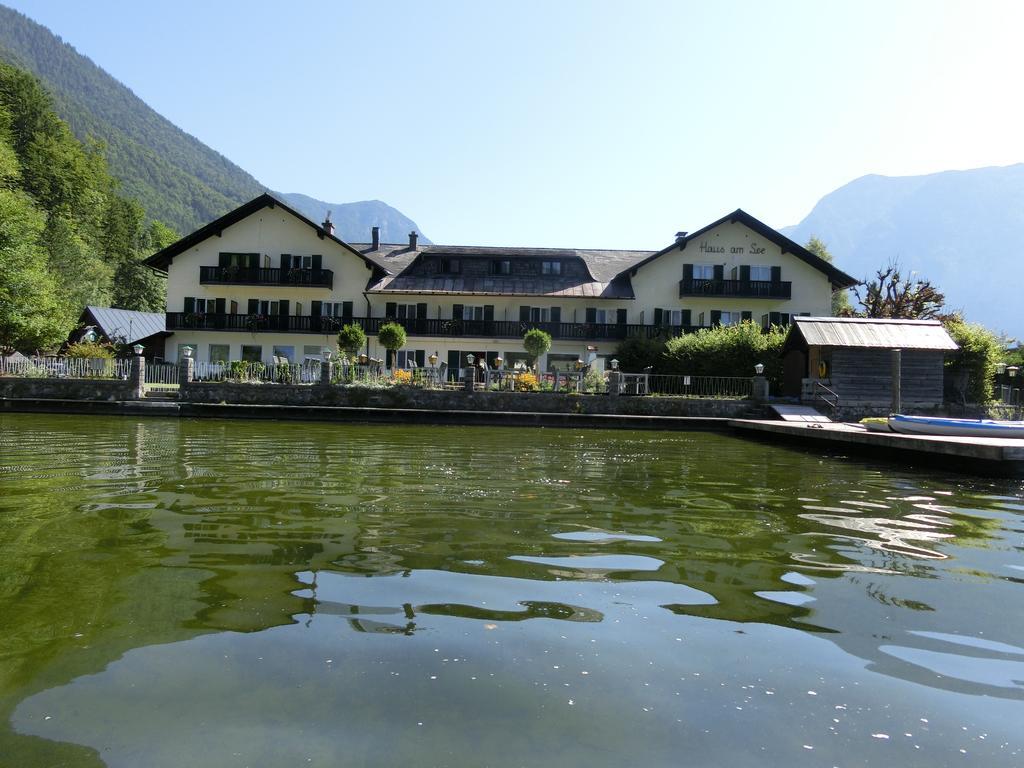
[[615, 378], [187, 351], [759, 384], [433, 360], [1012, 371]]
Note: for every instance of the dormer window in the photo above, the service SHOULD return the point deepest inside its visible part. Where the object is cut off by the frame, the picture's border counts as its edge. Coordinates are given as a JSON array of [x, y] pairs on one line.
[[551, 267], [449, 266], [501, 267]]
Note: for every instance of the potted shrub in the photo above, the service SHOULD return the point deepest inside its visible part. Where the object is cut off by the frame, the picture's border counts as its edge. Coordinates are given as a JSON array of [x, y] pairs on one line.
[[536, 343], [392, 337]]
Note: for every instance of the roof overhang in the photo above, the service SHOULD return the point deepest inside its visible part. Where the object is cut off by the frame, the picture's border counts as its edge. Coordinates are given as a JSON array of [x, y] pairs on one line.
[[837, 277], [161, 260]]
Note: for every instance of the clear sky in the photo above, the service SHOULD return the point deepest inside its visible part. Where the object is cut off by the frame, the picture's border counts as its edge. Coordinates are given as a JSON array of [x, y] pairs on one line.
[[602, 124]]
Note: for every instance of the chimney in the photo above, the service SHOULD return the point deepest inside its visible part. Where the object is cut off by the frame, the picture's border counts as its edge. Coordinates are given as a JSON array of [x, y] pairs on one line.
[[413, 237], [327, 226], [375, 235]]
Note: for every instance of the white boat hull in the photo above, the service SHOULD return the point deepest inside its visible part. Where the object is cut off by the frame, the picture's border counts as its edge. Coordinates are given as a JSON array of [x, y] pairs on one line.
[[926, 425]]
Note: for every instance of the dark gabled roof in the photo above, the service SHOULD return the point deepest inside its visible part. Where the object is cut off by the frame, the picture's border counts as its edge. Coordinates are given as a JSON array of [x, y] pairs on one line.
[[837, 277], [162, 259], [868, 332], [125, 324], [605, 267]]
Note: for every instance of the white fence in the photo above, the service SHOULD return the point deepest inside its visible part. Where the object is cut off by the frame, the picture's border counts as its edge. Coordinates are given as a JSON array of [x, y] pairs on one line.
[[66, 368]]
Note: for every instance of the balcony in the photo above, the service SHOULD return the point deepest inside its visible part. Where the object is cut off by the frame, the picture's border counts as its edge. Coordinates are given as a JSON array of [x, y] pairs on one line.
[[308, 278], [740, 289], [486, 329]]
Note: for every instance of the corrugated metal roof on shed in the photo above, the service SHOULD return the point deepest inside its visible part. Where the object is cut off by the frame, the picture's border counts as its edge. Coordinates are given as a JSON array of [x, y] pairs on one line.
[[128, 324], [873, 332]]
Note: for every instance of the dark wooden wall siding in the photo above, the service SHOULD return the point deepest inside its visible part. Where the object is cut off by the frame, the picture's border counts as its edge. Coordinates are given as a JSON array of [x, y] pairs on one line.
[[794, 371], [865, 375]]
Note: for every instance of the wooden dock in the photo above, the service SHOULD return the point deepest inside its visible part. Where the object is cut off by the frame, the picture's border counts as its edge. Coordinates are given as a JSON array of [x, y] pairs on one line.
[[991, 455]]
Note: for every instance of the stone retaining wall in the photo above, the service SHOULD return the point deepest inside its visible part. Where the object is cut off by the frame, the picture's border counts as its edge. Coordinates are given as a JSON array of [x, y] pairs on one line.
[[66, 389], [444, 400]]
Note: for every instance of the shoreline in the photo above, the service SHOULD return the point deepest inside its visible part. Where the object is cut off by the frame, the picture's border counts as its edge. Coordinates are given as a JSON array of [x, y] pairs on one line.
[[981, 456]]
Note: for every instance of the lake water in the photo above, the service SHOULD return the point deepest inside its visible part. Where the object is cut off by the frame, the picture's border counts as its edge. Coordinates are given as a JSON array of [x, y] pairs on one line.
[[222, 593]]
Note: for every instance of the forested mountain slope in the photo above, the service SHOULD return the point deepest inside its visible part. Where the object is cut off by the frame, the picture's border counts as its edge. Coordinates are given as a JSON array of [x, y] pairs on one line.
[[173, 175]]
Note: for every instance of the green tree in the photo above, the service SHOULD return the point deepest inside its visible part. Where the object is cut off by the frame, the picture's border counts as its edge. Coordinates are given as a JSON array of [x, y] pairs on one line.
[[636, 353], [351, 339], [536, 343], [31, 317], [392, 337], [892, 294], [136, 286], [974, 364], [82, 277], [841, 306]]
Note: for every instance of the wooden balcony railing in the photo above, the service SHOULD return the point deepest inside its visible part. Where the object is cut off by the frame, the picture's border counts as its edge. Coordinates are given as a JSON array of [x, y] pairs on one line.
[[742, 289], [310, 278], [488, 329]]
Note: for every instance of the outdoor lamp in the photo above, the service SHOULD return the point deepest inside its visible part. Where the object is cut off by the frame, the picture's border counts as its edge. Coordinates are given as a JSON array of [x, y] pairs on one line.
[[327, 355], [470, 358], [615, 364], [1012, 370], [759, 369], [187, 351], [433, 360], [498, 362], [1000, 369], [138, 349]]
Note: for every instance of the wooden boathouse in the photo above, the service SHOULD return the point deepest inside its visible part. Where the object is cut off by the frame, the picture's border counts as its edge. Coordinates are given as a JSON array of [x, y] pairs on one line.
[[850, 359]]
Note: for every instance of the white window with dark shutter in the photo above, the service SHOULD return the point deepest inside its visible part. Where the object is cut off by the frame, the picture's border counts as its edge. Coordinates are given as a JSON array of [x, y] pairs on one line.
[[761, 273], [703, 271]]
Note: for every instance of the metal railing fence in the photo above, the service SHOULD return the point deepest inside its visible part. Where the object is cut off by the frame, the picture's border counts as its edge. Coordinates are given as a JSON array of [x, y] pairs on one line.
[[689, 386], [66, 367]]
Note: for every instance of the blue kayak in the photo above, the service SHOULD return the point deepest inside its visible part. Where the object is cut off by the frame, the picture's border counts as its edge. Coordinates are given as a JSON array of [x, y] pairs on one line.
[[934, 425]]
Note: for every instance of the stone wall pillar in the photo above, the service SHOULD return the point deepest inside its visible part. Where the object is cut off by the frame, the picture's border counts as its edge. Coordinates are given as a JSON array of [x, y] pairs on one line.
[[759, 388], [614, 383], [469, 378], [326, 373], [186, 371], [138, 377]]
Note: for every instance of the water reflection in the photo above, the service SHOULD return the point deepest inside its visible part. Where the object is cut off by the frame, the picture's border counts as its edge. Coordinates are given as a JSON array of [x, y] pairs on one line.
[[155, 548]]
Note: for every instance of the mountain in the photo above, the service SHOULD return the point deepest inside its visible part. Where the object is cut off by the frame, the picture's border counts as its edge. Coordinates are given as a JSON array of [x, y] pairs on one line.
[[178, 179], [956, 228], [354, 220]]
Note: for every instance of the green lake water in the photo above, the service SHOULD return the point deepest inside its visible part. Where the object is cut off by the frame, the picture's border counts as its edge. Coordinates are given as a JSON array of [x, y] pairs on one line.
[[230, 593]]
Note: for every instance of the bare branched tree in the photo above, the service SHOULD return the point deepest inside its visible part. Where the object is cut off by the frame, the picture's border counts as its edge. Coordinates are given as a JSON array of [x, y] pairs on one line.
[[891, 294]]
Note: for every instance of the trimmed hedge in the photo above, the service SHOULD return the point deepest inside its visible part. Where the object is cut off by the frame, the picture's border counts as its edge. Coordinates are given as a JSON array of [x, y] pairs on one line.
[[728, 350]]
